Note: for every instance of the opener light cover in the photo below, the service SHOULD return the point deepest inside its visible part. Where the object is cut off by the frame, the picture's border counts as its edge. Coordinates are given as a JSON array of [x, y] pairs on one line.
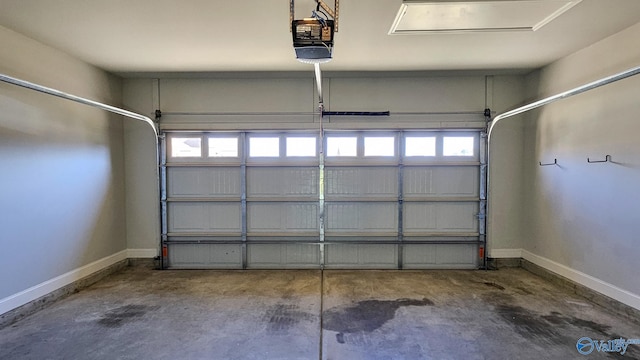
[[313, 40]]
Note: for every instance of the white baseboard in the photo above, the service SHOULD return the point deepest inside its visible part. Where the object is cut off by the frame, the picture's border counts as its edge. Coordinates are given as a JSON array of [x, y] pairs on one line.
[[141, 253], [581, 278], [505, 253], [576, 276], [16, 300]]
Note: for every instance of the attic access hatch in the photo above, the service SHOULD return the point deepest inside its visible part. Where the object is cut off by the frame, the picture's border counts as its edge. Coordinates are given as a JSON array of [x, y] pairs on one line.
[[452, 16]]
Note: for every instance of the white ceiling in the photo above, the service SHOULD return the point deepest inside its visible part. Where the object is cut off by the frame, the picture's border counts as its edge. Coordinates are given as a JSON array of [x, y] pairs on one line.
[[132, 36]]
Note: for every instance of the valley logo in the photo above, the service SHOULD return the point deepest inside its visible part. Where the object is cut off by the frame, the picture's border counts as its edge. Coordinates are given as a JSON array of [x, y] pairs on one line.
[[586, 345]]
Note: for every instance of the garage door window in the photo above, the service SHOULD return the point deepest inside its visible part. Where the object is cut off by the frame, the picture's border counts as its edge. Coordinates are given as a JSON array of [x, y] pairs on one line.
[[379, 146], [420, 146], [264, 147], [223, 146], [457, 146], [301, 146], [342, 146], [186, 147]]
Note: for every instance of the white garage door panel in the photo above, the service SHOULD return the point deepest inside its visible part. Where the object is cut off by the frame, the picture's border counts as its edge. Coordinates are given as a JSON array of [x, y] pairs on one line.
[[444, 256], [362, 181], [361, 256], [283, 256], [257, 207], [282, 217], [367, 217], [441, 181], [205, 256], [194, 217], [197, 182], [282, 181], [440, 217]]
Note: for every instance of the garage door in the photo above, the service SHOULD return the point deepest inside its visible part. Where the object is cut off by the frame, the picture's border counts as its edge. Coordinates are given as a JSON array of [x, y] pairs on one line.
[[375, 199]]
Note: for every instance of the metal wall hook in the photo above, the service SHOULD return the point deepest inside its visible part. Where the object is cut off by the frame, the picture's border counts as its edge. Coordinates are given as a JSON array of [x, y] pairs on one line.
[[607, 158], [555, 162]]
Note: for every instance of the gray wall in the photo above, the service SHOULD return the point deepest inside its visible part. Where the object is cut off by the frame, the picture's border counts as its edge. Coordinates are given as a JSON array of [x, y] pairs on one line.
[[294, 95], [506, 148], [142, 201], [586, 216], [62, 167]]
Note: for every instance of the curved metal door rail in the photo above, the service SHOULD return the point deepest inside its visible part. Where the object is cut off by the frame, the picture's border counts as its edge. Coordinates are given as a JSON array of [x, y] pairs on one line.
[[58, 93], [563, 95], [96, 104], [536, 104]]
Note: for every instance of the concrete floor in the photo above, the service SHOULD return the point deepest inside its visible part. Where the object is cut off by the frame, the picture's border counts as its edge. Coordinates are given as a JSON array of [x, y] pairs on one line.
[[141, 313]]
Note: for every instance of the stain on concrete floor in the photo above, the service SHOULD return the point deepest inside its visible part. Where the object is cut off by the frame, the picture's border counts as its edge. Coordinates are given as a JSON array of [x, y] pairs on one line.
[[494, 285], [537, 327], [365, 316], [124, 314], [284, 317]]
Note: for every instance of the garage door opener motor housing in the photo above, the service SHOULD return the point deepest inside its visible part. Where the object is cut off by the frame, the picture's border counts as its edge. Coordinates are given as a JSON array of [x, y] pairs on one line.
[[313, 40]]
